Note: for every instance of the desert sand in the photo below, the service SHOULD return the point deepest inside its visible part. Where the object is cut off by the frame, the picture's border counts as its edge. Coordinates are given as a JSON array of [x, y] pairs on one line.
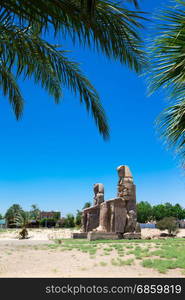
[[46, 234], [33, 258]]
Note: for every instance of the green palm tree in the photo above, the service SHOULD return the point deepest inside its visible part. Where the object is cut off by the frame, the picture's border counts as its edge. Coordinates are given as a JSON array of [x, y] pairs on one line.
[[168, 71], [24, 50], [17, 217], [23, 220], [12, 214], [34, 212]]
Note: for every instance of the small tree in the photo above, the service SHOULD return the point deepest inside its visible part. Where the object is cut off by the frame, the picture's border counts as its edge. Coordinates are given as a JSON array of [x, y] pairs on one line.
[[144, 212], [34, 212], [23, 220], [69, 221], [168, 223], [78, 218], [13, 214], [57, 215], [159, 212], [48, 222]]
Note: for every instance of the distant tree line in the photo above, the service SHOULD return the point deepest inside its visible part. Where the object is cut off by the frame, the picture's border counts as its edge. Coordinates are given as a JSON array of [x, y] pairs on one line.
[[146, 212], [16, 217]]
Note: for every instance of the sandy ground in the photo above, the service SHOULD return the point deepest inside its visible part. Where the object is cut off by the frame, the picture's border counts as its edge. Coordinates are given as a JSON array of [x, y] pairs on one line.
[[40, 234], [33, 258], [45, 234]]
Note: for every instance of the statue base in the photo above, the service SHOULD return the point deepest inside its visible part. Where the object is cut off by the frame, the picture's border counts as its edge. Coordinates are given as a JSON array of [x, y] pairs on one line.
[[92, 236], [79, 235], [101, 235]]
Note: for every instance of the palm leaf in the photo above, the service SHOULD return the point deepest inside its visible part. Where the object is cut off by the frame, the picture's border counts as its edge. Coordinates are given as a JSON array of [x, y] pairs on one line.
[[102, 25], [10, 89], [48, 65], [167, 53], [171, 124], [112, 30]]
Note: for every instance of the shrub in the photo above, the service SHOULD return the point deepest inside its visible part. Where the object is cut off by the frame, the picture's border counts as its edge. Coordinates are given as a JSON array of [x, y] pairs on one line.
[[168, 223], [78, 219], [144, 212], [69, 221], [48, 222]]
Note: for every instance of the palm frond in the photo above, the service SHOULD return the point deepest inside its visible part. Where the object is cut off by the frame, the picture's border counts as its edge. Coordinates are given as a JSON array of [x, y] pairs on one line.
[[10, 89], [103, 25], [48, 65], [167, 53], [90, 5], [171, 124], [113, 28], [22, 47]]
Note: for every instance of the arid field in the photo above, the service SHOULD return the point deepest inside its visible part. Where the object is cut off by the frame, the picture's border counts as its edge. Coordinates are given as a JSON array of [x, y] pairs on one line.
[[52, 253]]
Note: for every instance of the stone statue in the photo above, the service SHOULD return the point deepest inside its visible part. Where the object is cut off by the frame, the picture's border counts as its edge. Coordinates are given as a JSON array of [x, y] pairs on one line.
[[125, 181], [131, 221], [99, 193], [126, 187], [103, 218], [84, 222], [116, 216]]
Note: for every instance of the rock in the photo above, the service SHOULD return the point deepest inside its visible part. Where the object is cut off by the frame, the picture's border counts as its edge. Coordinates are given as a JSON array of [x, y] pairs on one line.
[[164, 234], [132, 235], [138, 227]]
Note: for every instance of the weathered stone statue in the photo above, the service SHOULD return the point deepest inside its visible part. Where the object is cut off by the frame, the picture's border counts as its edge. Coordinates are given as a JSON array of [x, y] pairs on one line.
[[90, 218], [126, 187], [99, 193], [115, 218], [131, 221], [90, 215]]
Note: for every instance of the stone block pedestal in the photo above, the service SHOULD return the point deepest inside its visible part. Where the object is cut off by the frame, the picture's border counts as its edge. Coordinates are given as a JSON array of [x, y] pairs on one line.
[[92, 236], [79, 235]]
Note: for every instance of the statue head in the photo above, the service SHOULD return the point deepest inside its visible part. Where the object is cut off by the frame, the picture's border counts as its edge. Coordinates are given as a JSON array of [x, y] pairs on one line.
[[98, 188], [125, 174], [124, 171], [99, 193]]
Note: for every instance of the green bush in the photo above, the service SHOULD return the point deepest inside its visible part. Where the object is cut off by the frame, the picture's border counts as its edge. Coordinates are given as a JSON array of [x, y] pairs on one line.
[[168, 223], [69, 221], [144, 212], [78, 219], [50, 222]]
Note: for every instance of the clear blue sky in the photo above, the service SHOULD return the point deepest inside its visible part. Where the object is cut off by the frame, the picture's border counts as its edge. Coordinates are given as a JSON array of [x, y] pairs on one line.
[[54, 155]]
